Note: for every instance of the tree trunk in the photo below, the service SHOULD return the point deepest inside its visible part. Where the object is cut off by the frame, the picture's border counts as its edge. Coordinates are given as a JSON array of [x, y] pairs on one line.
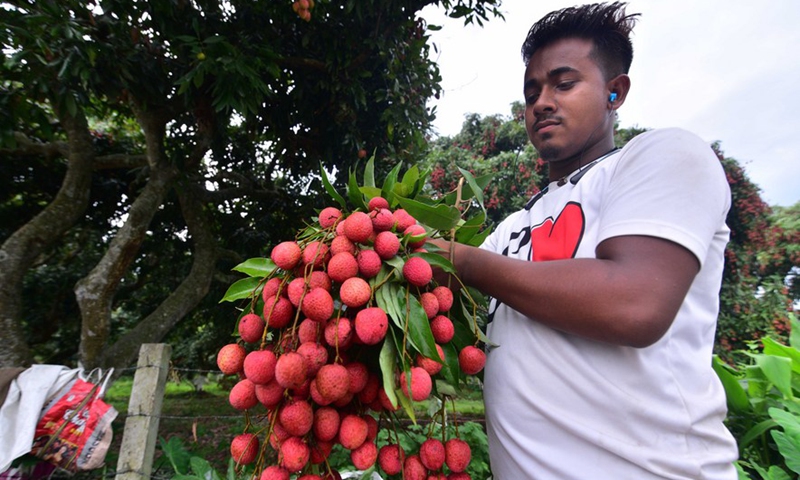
[[183, 299], [95, 292], [22, 248]]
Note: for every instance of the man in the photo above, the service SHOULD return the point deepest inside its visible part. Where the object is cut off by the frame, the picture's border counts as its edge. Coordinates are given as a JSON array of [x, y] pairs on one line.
[[605, 287]]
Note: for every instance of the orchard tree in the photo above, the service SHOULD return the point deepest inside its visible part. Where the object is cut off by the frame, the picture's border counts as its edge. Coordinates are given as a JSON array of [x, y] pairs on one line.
[[759, 288], [144, 141]]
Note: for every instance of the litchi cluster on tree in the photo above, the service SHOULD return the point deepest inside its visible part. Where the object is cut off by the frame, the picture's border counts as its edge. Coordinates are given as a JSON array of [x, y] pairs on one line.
[[344, 325]]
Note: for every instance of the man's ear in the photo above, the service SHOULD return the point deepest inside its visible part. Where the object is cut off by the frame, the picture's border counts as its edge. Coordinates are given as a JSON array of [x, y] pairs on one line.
[[618, 88]]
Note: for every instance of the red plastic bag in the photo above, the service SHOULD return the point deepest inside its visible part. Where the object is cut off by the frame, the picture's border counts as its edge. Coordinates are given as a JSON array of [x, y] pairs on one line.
[[74, 431]]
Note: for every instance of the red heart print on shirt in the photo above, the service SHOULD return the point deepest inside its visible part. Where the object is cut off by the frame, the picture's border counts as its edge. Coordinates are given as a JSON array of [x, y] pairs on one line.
[[560, 239]]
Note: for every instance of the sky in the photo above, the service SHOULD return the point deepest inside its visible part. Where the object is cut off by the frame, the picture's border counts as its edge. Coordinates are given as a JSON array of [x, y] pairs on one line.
[[727, 70]]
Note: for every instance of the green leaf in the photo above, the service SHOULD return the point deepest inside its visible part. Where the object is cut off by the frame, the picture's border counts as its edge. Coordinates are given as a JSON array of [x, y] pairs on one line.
[[755, 432], [329, 188], [256, 267], [473, 184], [737, 397], [369, 172], [467, 230], [771, 347], [386, 297], [440, 217], [419, 327], [389, 182], [451, 371], [445, 388], [794, 336], [201, 467], [241, 289], [778, 371], [354, 192], [410, 179], [789, 449], [176, 453], [467, 191], [789, 422], [388, 367], [370, 192]]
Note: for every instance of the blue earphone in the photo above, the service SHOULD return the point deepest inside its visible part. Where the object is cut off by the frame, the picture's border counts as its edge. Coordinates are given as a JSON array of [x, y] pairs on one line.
[[612, 97]]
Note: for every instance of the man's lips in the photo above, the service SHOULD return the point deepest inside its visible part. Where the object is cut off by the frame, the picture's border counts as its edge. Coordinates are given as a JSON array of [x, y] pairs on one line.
[[544, 124]]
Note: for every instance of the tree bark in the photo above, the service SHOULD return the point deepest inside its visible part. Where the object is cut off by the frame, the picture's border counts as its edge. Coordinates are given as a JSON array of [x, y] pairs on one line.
[[95, 292], [22, 248], [183, 299]]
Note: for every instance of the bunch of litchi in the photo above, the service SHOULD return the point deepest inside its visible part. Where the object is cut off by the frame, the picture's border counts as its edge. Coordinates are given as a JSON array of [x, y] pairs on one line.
[[309, 341]]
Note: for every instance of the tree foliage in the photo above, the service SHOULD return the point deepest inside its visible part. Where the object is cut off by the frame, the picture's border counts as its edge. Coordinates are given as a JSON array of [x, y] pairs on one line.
[[759, 288], [145, 142]]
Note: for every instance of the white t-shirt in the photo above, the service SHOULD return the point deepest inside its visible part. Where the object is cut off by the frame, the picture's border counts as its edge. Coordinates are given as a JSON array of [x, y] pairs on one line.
[[562, 407]]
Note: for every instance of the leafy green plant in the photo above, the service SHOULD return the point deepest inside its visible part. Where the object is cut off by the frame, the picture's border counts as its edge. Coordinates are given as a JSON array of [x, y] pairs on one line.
[[190, 467], [764, 407]]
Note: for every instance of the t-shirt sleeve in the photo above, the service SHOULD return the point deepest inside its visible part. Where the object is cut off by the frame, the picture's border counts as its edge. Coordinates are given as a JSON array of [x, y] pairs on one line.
[[667, 184]]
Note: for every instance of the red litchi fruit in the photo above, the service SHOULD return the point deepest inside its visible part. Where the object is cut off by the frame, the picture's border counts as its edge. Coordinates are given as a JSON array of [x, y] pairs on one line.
[[286, 255], [385, 402], [345, 401], [329, 216], [402, 220], [459, 476], [230, 358], [382, 220], [437, 476], [372, 427], [445, 297], [342, 266], [390, 459], [421, 384], [302, 392], [358, 227], [369, 263], [339, 333], [326, 423], [413, 469], [369, 393], [332, 475], [471, 360], [309, 331], [333, 381], [317, 305], [274, 472], [387, 245], [297, 418], [295, 290], [270, 395], [319, 279], [358, 374], [431, 453], [320, 451], [291, 370], [294, 454], [430, 304], [416, 235], [355, 292], [251, 328], [278, 312], [352, 432], [376, 203], [457, 454], [371, 325], [316, 356], [271, 288], [430, 365], [340, 244], [316, 254], [417, 271], [309, 476], [259, 366], [243, 395], [364, 456], [278, 436], [244, 448], [442, 329], [316, 396]]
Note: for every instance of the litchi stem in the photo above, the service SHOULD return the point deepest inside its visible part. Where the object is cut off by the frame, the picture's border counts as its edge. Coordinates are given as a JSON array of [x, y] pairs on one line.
[[453, 230]]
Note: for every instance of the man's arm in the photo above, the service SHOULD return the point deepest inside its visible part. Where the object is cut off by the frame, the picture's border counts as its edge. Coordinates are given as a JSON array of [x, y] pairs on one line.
[[628, 295]]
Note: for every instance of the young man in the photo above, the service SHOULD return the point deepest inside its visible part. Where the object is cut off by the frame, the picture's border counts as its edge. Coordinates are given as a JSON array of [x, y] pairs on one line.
[[605, 287]]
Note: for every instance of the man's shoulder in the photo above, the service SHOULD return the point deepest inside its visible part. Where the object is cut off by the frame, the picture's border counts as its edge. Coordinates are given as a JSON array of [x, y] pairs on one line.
[[665, 136]]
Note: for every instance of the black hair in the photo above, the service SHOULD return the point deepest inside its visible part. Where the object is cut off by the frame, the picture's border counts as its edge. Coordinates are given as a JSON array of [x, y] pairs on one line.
[[607, 25]]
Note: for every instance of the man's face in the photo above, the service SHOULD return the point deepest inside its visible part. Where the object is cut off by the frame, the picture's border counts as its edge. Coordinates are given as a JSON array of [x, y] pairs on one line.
[[566, 113]]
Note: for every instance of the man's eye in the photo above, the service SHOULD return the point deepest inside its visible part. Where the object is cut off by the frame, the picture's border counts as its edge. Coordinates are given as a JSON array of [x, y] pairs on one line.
[[531, 99], [566, 85]]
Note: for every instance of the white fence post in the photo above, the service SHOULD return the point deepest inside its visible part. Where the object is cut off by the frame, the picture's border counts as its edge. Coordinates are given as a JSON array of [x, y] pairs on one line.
[[141, 426]]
